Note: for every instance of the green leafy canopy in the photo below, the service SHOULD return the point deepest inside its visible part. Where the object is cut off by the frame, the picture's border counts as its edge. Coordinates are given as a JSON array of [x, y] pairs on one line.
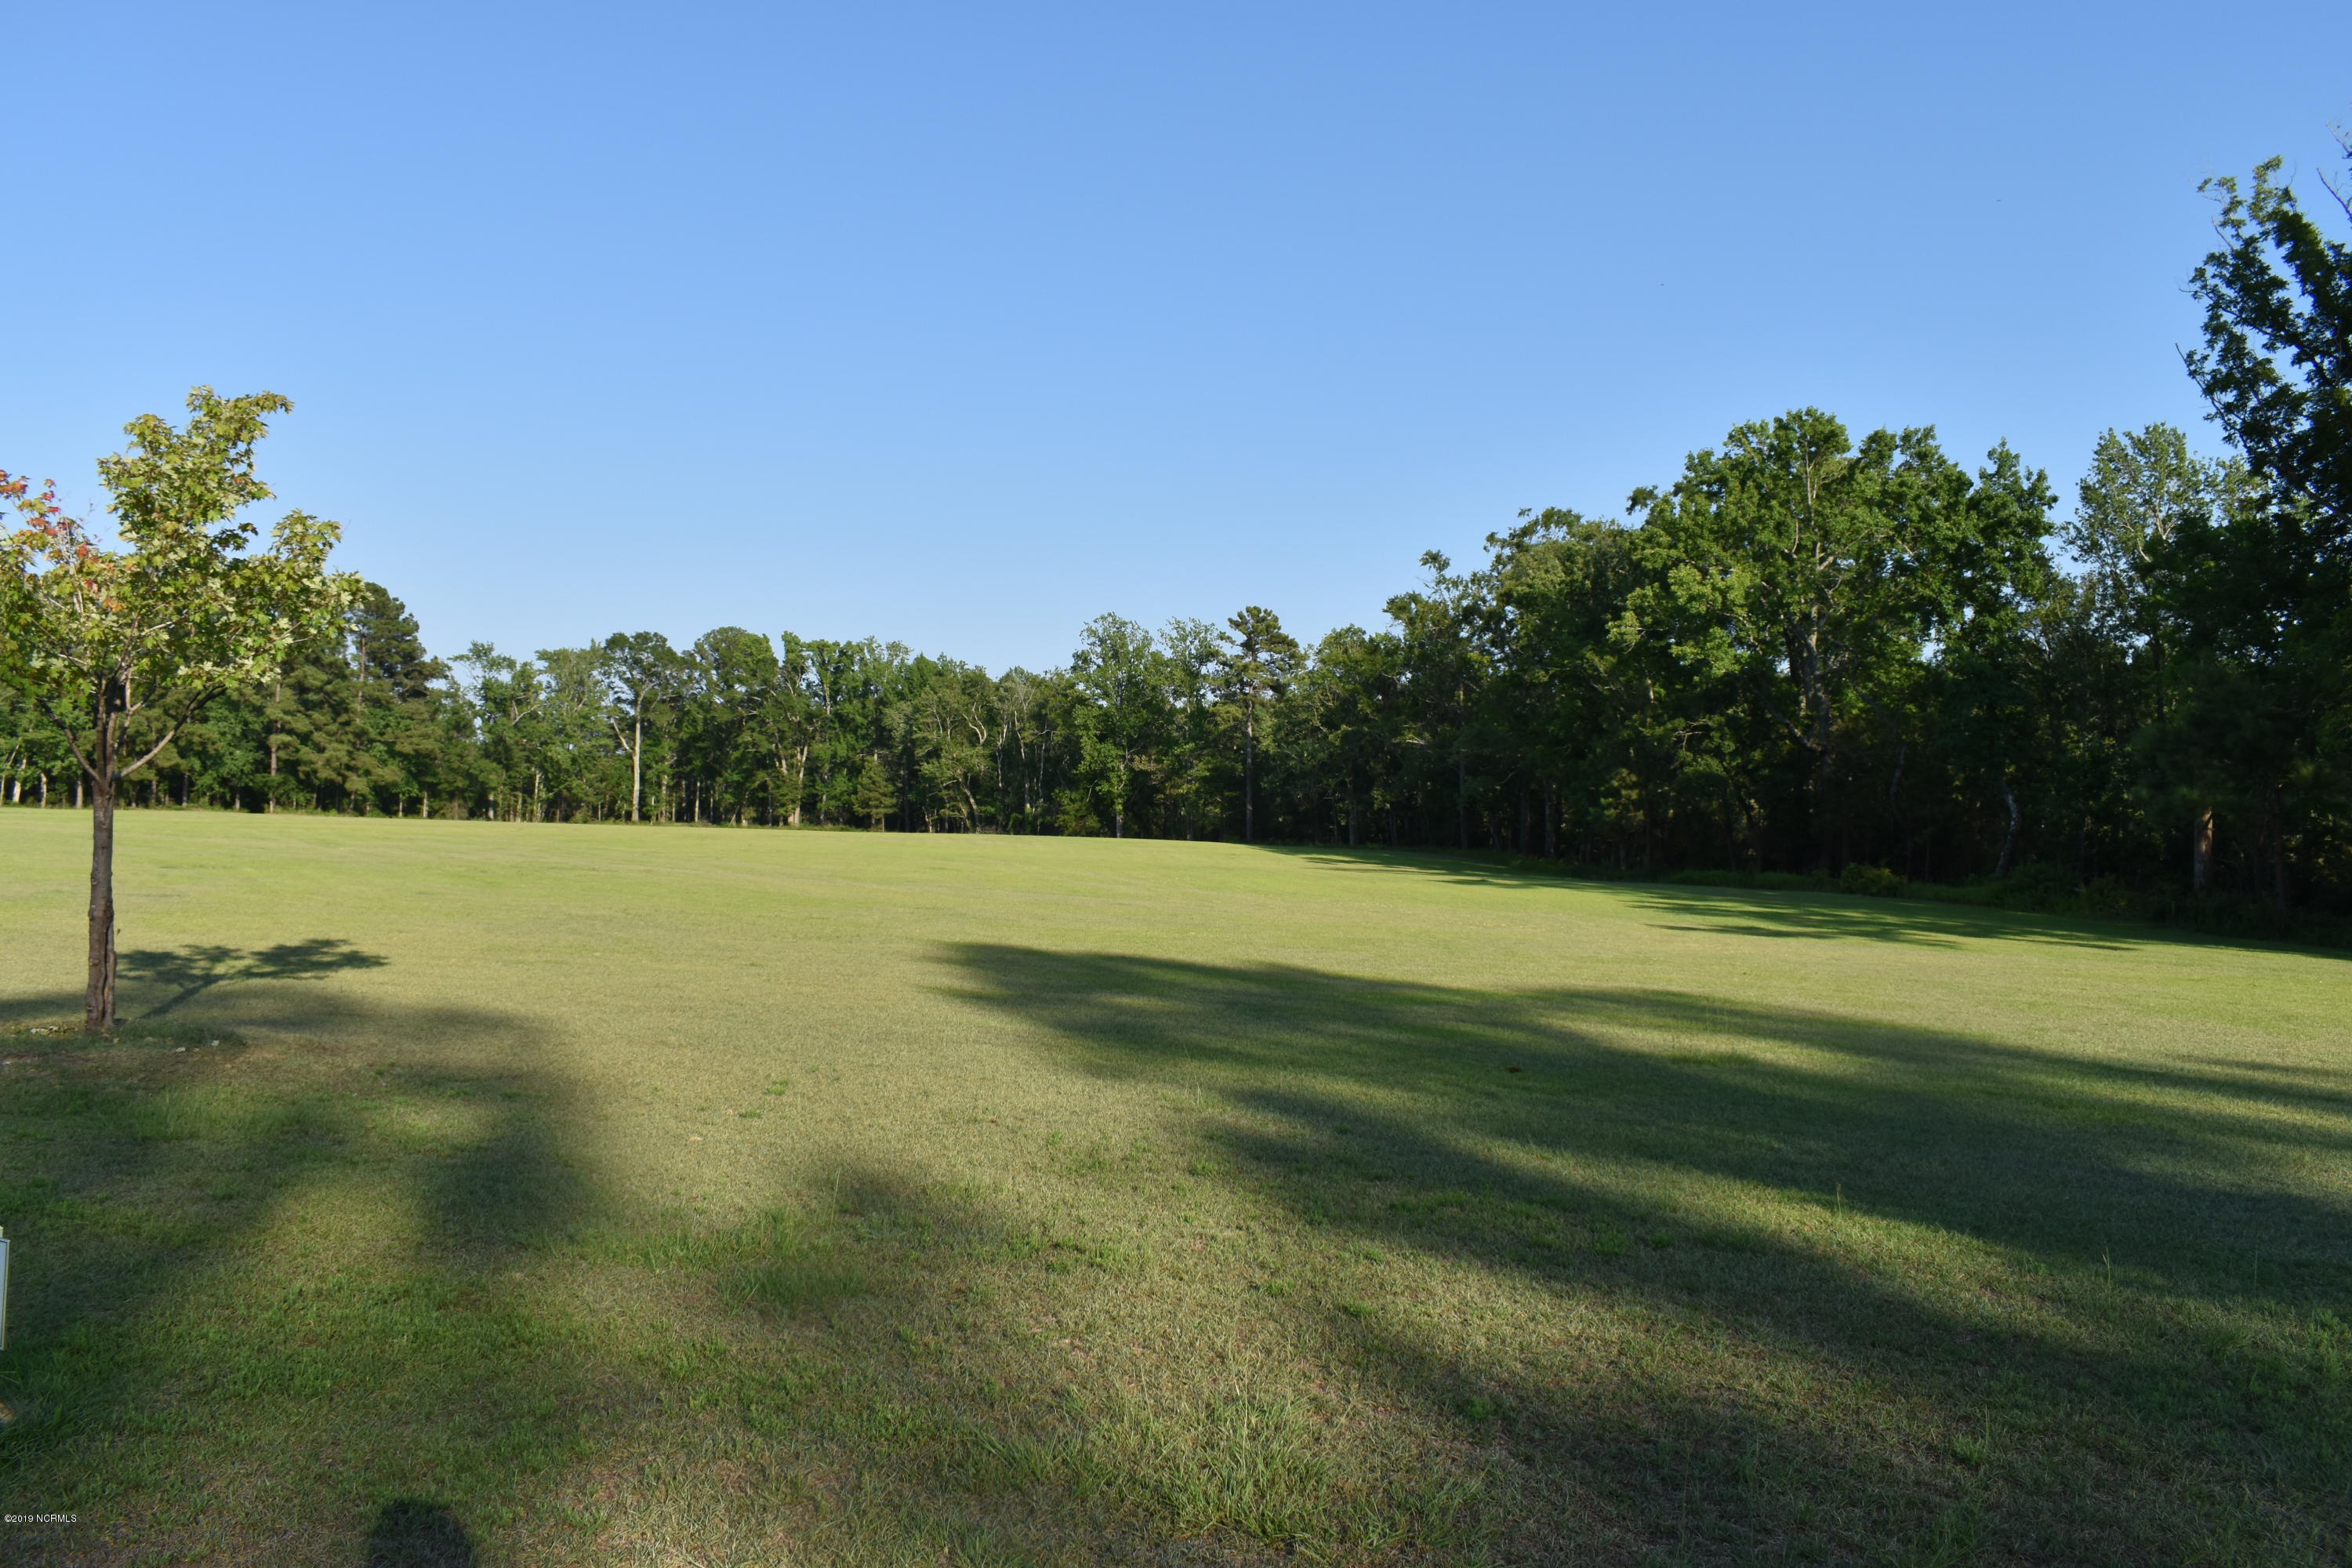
[[185, 606]]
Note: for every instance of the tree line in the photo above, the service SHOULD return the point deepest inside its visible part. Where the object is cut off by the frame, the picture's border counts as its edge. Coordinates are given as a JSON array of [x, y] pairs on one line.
[[1812, 651]]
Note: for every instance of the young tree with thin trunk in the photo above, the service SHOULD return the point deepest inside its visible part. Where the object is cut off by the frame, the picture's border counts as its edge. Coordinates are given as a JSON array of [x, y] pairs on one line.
[[119, 647]]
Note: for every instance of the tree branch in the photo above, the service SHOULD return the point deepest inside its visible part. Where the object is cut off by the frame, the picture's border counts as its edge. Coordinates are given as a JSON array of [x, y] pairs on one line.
[[67, 731], [203, 697]]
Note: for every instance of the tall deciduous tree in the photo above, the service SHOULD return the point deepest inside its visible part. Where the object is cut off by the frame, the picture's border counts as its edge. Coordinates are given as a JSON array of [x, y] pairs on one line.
[[1189, 665], [1446, 668], [2270, 596], [2277, 361], [638, 669], [121, 647], [2146, 496], [1117, 666], [1819, 567]]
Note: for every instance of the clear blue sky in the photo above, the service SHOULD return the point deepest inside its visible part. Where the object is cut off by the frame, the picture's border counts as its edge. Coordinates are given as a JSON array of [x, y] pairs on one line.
[[961, 324]]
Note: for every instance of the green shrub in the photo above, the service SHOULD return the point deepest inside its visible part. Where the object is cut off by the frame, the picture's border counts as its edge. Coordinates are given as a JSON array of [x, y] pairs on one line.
[[1874, 881]]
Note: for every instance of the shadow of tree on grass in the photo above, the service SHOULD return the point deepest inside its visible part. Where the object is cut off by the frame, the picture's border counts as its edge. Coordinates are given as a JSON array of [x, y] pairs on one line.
[[410, 1533], [1873, 1243], [1696, 1282], [195, 970], [1824, 916], [1834, 916], [287, 1287]]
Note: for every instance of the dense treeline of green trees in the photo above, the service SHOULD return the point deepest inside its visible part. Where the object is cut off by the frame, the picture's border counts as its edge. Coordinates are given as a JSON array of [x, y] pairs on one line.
[[1808, 652]]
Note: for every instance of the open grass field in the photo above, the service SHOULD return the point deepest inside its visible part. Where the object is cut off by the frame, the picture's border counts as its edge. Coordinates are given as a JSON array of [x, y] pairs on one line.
[[482, 1194]]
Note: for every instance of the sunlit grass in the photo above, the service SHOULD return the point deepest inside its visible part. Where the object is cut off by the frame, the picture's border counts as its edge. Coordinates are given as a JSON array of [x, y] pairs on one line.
[[473, 1193]]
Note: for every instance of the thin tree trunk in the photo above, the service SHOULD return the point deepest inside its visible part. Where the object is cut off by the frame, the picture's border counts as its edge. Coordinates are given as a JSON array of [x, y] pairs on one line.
[[1461, 801], [2007, 844], [637, 763], [2278, 849], [1894, 802], [2201, 851], [97, 1003], [1824, 853], [1249, 775]]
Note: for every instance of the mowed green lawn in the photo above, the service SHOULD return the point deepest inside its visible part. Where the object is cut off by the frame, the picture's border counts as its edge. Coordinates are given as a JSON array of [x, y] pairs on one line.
[[480, 1194]]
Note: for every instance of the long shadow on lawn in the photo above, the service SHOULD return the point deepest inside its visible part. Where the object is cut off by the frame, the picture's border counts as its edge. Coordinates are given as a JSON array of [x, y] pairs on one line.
[[2114, 1258], [863, 1362], [156, 983], [1822, 916], [933, 1376], [353, 1356], [191, 972], [247, 1264], [2068, 1157]]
